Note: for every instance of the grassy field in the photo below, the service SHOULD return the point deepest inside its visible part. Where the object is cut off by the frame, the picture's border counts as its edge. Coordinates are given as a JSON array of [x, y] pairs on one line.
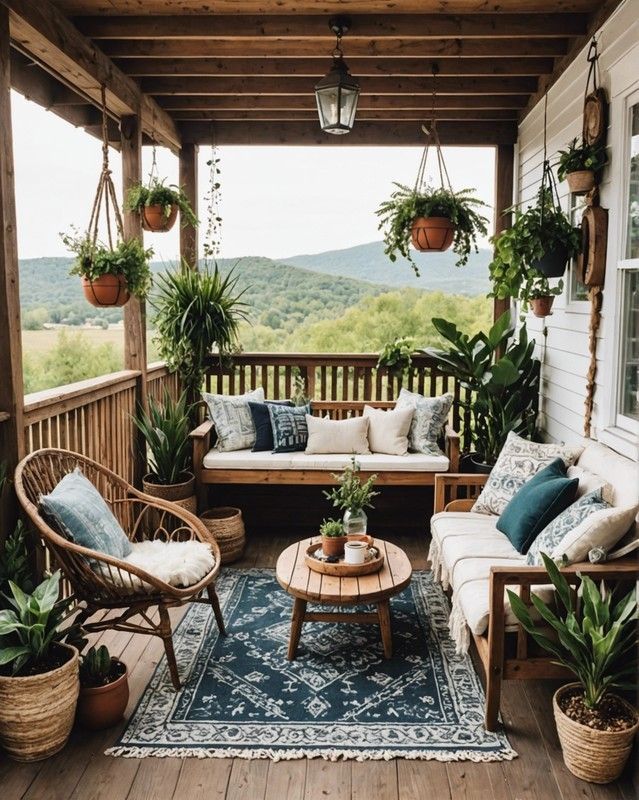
[[42, 342]]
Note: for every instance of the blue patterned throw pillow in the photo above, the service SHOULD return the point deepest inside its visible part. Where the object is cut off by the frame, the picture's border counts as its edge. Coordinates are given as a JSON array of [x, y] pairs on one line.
[[429, 420], [551, 536], [262, 423], [290, 430], [82, 515], [232, 418]]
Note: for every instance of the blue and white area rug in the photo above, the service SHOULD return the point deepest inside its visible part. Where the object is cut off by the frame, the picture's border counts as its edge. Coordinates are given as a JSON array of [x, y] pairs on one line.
[[339, 699]]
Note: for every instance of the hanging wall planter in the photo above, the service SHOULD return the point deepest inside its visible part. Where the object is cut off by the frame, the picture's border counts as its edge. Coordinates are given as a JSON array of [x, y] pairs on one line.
[[579, 163], [158, 205]]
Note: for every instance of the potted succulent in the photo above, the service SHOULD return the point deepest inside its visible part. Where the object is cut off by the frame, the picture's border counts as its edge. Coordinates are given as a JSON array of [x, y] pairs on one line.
[[396, 356], [596, 639], [431, 220], [158, 205], [541, 295], [39, 681], [110, 276], [579, 163], [165, 428], [353, 496], [333, 537], [104, 689]]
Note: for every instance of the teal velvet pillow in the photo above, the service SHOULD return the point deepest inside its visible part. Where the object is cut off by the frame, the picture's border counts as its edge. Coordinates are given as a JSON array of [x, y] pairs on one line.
[[82, 515], [536, 504]]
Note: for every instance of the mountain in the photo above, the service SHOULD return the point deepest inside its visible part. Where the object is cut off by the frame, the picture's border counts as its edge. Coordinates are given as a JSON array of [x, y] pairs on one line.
[[368, 262]]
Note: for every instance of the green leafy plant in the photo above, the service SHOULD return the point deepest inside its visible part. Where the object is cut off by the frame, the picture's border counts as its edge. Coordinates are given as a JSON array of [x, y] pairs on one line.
[[196, 311], [596, 639], [332, 528], [540, 287], [406, 204], [535, 232], [128, 258], [580, 156], [99, 668], [504, 389], [32, 626], [15, 563], [156, 193], [165, 428], [396, 356], [351, 494]]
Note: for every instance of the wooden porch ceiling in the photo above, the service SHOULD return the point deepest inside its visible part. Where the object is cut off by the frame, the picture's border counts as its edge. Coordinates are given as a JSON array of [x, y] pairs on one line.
[[243, 71]]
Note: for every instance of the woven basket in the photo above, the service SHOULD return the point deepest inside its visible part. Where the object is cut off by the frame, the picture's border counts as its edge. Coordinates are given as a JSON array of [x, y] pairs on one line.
[[226, 527], [37, 711], [595, 756]]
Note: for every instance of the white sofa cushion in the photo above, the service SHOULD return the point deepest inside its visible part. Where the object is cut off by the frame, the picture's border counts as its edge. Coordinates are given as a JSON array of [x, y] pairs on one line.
[[604, 529], [375, 462], [617, 470], [337, 435], [388, 430]]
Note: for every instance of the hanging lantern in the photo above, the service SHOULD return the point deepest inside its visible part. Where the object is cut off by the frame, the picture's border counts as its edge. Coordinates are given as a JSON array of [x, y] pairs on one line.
[[337, 92]]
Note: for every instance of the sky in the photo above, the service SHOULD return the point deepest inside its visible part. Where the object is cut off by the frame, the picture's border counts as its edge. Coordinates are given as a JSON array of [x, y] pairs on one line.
[[276, 201]]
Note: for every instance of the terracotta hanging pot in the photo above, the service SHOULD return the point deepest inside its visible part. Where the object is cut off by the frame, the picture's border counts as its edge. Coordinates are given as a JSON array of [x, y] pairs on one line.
[[107, 290], [432, 234], [541, 306], [581, 181], [154, 218]]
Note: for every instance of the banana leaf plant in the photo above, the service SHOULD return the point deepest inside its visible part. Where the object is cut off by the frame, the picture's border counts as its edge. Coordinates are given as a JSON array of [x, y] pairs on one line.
[[502, 376]]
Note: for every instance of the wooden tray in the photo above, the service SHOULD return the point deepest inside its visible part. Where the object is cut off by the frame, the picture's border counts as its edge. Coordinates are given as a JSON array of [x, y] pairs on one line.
[[340, 569]]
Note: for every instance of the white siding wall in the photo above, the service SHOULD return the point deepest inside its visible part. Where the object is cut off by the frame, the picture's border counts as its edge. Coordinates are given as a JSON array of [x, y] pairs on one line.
[[565, 355]]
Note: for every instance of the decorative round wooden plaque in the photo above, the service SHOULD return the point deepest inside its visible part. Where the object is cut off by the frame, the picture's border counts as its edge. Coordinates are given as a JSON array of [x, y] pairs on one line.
[[591, 262], [595, 116]]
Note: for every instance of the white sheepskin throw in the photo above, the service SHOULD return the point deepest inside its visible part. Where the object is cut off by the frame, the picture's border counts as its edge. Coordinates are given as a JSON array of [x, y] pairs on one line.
[[175, 563]]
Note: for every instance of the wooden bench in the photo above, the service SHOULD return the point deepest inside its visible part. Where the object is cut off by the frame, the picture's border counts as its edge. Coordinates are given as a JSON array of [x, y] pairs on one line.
[[335, 409]]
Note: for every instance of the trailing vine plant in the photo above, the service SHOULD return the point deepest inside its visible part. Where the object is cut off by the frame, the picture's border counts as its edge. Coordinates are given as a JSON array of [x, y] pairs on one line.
[[213, 232]]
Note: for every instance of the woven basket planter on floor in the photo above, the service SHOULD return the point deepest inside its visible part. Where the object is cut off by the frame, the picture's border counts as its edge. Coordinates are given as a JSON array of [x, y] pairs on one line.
[[226, 526], [592, 755]]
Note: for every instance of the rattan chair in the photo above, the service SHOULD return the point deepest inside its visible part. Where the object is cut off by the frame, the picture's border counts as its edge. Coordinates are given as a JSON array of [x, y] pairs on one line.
[[99, 581]]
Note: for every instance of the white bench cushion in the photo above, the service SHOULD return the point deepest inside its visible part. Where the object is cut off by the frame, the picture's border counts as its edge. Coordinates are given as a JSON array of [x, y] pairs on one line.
[[376, 462]]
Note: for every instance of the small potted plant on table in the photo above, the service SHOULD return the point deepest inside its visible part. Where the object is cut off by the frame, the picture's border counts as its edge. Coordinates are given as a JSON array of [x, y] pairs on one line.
[[579, 163], [597, 641], [158, 205], [353, 497], [333, 537], [104, 689]]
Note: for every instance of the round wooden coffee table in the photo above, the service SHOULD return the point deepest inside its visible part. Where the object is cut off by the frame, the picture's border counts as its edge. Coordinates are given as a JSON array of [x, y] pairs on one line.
[[305, 586]]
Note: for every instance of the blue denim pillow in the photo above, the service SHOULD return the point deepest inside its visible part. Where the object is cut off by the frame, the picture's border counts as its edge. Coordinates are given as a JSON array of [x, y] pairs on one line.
[[262, 422], [290, 431], [82, 515]]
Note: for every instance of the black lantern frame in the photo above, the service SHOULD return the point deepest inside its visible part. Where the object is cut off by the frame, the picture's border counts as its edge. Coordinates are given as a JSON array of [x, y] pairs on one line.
[[338, 91]]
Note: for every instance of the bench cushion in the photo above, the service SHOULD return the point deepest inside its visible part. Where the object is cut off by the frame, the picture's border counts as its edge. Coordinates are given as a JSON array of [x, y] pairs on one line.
[[376, 462]]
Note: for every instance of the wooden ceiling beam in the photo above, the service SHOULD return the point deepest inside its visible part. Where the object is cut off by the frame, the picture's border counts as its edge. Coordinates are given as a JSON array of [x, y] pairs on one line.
[[359, 48], [364, 133], [41, 30], [313, 26], [362, 115], [284, 86], [315, 67]]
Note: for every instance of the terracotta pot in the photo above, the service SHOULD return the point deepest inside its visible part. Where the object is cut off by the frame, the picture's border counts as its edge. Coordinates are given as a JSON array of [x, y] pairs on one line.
[[432, 234], [333, 545], [592, 755], [107, 290], [541, 305], [553, 263], [181, 493], [103, 706], [581, 181], [154, 219], [37, 711]]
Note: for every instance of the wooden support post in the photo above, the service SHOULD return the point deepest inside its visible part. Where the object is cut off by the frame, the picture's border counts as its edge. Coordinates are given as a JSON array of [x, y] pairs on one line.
[[134, 311], [188, 182], [504, 174], [12, 445]]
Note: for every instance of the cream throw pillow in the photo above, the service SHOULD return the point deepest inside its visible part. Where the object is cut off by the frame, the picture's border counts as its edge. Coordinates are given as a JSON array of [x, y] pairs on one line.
[[388, 430], [337, 436], [601, 529]]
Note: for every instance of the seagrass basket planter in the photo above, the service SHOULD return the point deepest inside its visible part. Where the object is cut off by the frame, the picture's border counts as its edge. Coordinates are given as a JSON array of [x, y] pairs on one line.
[[592, 755], [226, 526], [37, 711], [181, 493]]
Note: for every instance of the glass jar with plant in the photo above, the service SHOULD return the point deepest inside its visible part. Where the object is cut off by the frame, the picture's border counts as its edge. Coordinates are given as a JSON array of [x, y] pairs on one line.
[[593, 634], [431, 220], [396, 356], [353, 496], [333, 537], [104, 689], [579, 163], [158, 205]]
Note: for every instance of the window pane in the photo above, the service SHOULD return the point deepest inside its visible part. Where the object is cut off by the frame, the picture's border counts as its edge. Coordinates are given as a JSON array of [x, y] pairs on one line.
[[632, 244], [630, 345], [576, 289]]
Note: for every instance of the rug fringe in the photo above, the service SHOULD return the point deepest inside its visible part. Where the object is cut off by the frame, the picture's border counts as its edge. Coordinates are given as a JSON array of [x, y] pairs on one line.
[[507, 754]]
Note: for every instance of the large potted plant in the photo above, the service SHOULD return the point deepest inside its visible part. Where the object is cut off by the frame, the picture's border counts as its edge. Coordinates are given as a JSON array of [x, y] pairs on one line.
[[39, 681], [353, 496], [579, 163], [158, 205], [104, 689], [110, 275], [594, 635], [165, 428], [503, 390], [431, 220]]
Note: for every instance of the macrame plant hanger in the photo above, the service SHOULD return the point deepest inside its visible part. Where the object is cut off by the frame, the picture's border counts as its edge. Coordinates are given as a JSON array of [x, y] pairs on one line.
[[432, 137], [548, 181]]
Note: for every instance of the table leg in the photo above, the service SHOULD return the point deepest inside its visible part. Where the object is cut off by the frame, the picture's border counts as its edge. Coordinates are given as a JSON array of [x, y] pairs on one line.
[[299, 610], [383, 612]]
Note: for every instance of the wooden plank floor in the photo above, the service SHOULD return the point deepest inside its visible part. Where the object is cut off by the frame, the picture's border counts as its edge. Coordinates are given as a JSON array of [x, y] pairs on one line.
[[83, 772]]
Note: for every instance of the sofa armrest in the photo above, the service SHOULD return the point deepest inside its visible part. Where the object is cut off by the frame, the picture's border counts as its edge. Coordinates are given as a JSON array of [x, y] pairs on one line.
[[623, 569], [447, 483], [452, 448], [202, 431]]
